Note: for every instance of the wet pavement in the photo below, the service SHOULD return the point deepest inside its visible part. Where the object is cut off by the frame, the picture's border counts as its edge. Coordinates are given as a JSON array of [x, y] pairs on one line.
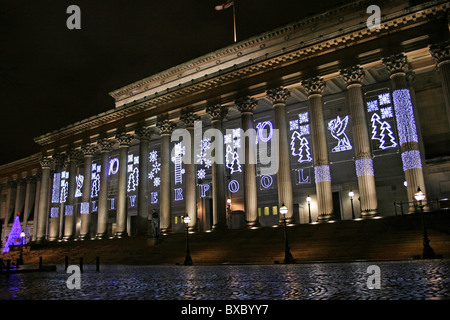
[[399, 280]]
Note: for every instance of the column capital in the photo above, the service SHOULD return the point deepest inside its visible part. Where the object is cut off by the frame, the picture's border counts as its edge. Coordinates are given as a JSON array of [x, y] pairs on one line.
[[89, 149], [124, 139], [165, 127], [189, 118], [440, 52], [46, 162], [397, 63], [75, 154], [30, 178], [59, 158], [144, 133], [217, 111], [278, 95], [106, 145], [353, 75], [315, 85], [246, 104]]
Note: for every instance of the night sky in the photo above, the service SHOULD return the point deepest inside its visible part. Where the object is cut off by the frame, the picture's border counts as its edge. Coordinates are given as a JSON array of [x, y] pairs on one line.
[[51, 76]]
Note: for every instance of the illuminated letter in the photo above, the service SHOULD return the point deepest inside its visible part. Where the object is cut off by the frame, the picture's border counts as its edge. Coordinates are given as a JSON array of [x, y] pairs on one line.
[[154, 197], [204, 188], [74, 21], [178, 194], [233, 186]]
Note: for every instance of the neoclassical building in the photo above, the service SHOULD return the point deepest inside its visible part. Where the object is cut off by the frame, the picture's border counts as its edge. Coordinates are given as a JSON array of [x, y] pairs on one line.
[[356, 118]]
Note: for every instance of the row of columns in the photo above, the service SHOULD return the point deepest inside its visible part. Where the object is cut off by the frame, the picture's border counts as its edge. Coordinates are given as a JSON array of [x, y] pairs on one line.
[[353, 76]]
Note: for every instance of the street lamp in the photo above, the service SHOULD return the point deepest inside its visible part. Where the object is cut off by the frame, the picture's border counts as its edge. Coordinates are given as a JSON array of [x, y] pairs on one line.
[[308, 199], [351, 194], [428, 252], [287, 253], [22, 237], [187, 259]]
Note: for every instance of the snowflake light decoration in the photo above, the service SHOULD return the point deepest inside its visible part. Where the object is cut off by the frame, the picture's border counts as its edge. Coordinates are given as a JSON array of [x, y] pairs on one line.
[[372, 106], [201, 174], [293, 125], [384, 99], [303, 118], [386, 113]]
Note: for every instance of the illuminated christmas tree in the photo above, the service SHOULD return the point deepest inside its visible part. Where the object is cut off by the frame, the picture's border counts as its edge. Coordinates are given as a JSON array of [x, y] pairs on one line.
[[386, 130], [16, 230]]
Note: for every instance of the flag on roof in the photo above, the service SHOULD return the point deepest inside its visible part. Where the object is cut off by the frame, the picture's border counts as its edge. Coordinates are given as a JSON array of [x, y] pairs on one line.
[[224, 6]]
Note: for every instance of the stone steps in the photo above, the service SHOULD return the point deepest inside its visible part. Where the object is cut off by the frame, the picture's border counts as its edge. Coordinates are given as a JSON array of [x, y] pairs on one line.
[[392, 238]]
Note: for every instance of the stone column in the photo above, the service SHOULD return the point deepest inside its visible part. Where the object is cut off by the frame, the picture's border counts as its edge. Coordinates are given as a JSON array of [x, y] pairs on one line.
[[314, 88], [38, 178], [20, 196], [189, 119], [166, 128], [11, 201], [397, 65], [85, 206], [43, 199], [55, 206], [278, 97], [441, 54], [30, 195], [106, 146], [121, 219], [144, 135], [217, 113], [353, 77], [246, 106], [69, 223]]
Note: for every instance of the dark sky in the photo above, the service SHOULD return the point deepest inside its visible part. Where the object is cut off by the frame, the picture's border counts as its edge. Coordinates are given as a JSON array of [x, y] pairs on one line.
[[51, 76]]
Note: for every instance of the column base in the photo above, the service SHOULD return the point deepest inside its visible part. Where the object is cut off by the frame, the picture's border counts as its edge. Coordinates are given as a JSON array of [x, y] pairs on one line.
[[369, 214], [52, 239], [83, 237], [120, 235], [101, 236], [253, 225], [325, 217], [67, 238]]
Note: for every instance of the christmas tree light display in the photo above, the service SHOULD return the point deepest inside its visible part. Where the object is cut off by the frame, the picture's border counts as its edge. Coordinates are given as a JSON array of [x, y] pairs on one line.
[[14, 234], [300, 146], [381, 119]]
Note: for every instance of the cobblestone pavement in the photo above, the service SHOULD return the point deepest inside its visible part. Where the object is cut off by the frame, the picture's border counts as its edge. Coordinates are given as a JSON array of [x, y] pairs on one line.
[[401, 280]]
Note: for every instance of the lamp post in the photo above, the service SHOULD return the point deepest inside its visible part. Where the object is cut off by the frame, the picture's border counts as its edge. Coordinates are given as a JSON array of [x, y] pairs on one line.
[[351, 194], [287, 253], [187, 259], [229, 213], [308, 199], [22, 237], [428, 252]]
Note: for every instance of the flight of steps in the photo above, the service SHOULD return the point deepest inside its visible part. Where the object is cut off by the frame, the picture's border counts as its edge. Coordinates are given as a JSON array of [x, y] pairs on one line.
[[389, 238]]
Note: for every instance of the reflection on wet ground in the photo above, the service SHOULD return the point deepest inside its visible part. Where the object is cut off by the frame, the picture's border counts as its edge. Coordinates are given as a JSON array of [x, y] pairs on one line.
[[400, 280]]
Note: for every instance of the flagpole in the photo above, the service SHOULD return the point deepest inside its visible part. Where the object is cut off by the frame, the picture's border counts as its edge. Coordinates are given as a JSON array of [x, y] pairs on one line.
[[234, 21]]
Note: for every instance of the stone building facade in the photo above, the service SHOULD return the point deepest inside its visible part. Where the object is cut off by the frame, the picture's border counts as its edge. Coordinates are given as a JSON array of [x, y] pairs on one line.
[[344, 107]]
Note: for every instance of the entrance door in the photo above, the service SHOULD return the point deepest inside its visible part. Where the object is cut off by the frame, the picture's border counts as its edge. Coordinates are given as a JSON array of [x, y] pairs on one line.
[[337, 205]]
